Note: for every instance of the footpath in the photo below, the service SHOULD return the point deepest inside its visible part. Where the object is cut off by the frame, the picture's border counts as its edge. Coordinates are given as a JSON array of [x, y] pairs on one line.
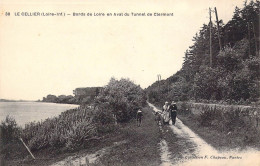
[[165, 145], [195, 151]]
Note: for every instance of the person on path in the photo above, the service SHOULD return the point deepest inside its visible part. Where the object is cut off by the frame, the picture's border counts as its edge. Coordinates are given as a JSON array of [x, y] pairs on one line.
[[139, 116], [165, 107], [173, 112], [166, 113], [157, 118]]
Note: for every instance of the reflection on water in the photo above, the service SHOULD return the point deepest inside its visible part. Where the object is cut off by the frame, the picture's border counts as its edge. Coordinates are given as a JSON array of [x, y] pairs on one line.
[[25, 112]]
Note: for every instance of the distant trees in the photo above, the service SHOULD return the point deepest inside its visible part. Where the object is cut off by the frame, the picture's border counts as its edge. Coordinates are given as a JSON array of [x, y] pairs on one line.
[[234, 75], [82, 96], [50, 98], [86, 95], [60, 99]]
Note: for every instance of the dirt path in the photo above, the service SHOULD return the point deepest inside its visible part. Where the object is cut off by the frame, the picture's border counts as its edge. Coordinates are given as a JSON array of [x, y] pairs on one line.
[[198, 152], [187, 149], [86, 159]]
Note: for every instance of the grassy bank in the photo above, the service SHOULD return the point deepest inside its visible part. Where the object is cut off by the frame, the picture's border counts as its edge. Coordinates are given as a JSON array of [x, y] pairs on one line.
[[77, 129], [223, 127], [141, 147]]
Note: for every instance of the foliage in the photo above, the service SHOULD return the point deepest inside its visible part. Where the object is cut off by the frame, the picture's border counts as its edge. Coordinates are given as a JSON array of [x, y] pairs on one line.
[[117, 102], [239, 121], [208, 115], [86, 95], [9, 131], [82, 96], [229, 60], [235, 73], [235, 121], [184, 108], [205, 83], [60, 99], [70, 129], [122, 98]]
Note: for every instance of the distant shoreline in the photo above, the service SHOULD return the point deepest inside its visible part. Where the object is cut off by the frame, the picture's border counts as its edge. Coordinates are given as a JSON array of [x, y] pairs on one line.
[[7, 100]]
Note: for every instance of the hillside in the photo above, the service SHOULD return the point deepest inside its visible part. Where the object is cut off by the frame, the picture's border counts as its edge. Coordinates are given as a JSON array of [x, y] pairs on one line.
[[232, 77]]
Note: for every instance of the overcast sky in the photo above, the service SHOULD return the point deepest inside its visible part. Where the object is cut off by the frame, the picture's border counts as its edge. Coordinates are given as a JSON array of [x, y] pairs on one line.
[[54, 55]]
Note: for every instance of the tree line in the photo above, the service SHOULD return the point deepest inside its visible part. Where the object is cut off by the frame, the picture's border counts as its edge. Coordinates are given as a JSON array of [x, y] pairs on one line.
[[81, 96], [233, 76]]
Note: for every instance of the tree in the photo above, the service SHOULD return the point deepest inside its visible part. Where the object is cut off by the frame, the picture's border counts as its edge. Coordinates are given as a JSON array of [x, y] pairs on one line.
[[235, 72], [123, 98]]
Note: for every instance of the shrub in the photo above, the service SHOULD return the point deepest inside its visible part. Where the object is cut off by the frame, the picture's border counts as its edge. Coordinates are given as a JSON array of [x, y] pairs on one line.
[[229, 59], [118, 101], [68, 130], [184, 108], [9, 130], [208, 115], [206, 83], [123, 98]]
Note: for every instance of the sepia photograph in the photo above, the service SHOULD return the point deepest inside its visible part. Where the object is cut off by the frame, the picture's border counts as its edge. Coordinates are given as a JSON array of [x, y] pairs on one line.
[[129, 83]]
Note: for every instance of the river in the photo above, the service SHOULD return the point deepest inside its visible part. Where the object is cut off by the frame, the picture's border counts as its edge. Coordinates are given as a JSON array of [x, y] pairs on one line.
[[24, 112]]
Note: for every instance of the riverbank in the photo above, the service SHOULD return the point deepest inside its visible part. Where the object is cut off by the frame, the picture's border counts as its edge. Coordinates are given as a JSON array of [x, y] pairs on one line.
[[134, 146]]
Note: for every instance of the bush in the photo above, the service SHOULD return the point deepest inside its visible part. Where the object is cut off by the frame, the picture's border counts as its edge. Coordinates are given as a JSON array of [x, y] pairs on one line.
[[118, 102], [123, 98], [9, 130], [103, 114], [206, 83], [233, 120], [69, 130], [184, 108], [208, 116], [229, 59]]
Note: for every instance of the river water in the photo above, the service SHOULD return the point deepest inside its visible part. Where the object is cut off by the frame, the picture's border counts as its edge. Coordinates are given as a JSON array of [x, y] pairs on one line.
[[24, 112]]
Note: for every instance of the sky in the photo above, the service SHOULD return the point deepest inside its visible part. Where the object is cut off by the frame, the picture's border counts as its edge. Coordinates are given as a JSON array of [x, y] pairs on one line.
[[55, 55]]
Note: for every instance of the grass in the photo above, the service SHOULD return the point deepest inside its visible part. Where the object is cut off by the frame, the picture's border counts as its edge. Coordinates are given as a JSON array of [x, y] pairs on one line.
[[68, 130], [141, 147], [51, 155], [220, 140], [224, 127], [60, 135]]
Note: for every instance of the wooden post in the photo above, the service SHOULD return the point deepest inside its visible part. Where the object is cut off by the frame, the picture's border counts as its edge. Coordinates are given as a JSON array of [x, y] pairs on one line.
[[27, 149], [210, 39], [248, 28], [219, 39], [159, 79]]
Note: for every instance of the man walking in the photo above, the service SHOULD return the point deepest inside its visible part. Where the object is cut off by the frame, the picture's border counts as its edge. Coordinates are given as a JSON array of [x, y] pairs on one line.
[[173, 112], [139, 117]]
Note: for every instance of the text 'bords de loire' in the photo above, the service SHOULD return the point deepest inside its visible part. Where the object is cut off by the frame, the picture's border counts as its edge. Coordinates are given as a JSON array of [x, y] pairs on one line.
[[121, 14]]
